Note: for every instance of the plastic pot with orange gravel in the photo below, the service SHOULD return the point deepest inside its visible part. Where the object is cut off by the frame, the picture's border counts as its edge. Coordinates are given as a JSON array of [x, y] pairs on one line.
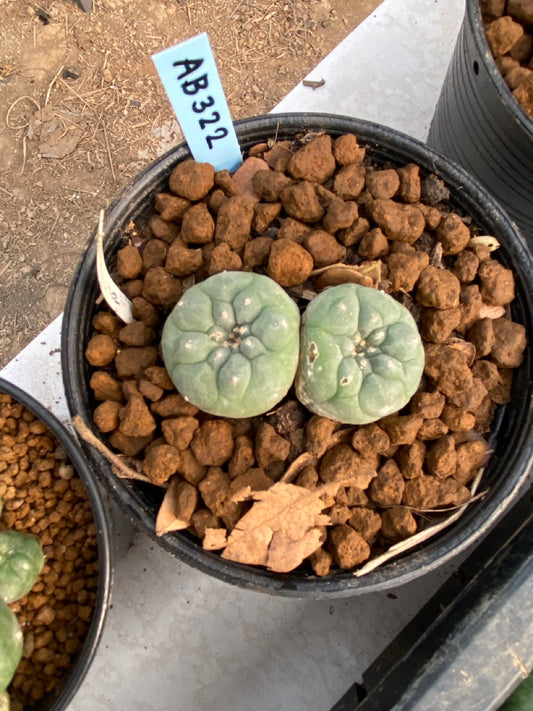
[[49, 494]]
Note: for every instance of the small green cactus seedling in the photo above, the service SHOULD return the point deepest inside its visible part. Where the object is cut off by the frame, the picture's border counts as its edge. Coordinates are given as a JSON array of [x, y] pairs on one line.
[[21, 561], [231, 344], [361, 355], [10, 645]]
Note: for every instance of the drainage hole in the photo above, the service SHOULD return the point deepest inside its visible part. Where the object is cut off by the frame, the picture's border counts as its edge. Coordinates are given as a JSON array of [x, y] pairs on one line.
[[476, 67]]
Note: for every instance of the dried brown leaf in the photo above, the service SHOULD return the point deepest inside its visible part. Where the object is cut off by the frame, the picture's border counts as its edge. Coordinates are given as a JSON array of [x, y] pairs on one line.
[[367, 274], [177, 507], [282, 528], [245, 485], [296, 467], [120, 468]]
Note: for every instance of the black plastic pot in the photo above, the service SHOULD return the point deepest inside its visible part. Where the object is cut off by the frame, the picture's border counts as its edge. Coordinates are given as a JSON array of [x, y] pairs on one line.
[[479, 124], [513, 431], [60, 698]]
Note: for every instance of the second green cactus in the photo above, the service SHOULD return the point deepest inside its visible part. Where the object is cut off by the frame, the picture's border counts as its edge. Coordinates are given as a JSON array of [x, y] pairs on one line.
[[361, 355]]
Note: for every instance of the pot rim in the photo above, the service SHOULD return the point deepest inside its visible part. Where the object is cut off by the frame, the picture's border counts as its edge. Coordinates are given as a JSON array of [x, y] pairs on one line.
[[60, 697], [390, 145], [473, 12]]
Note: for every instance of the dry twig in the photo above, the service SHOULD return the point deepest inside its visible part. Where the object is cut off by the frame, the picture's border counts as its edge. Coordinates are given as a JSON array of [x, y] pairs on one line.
[[50, 86], [109, 156], [122, 470], [296, 467], [10, 109]]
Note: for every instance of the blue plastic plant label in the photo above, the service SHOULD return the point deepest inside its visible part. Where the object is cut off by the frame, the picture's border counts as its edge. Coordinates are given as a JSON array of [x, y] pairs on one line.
[[190, 78]]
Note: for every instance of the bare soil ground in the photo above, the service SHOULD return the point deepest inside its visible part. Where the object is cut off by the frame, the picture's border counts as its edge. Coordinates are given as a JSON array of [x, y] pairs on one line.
[[82, 111]]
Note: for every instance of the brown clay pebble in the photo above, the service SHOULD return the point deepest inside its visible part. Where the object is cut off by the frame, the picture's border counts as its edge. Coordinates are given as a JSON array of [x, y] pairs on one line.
[[508, 31], [366, 522], [349, 182], [438, 288], [212, 443], [224, 259], [161, 463], [197, 225], [383, 183], [192, 180], [347, 546], [181, 260], [129, 262], [106, 322], [100, 350], [163, 230], [269, 184], [397, 523], [324, 248], [346, 150], [502, 34], [105, 387], [264, 216], [314, 161], [453, 234], [301, 202], [106, 416], [399, 222], [289, 263], [154, 253], [387, 488], [171, 207], [234, 222]]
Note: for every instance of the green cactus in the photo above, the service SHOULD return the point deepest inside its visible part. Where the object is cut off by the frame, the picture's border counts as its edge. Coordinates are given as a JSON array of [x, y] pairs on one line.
[[10, 645], [21, 561], [361, 355], [231, 344]]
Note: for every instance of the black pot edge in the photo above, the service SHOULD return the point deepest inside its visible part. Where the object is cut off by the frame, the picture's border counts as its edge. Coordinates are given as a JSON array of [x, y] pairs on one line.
[[63, 695], [473, 13], [401, 570]]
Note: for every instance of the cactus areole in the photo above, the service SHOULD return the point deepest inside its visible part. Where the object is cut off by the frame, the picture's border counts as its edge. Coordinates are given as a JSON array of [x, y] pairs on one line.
[[231, 344], [361, 355]]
